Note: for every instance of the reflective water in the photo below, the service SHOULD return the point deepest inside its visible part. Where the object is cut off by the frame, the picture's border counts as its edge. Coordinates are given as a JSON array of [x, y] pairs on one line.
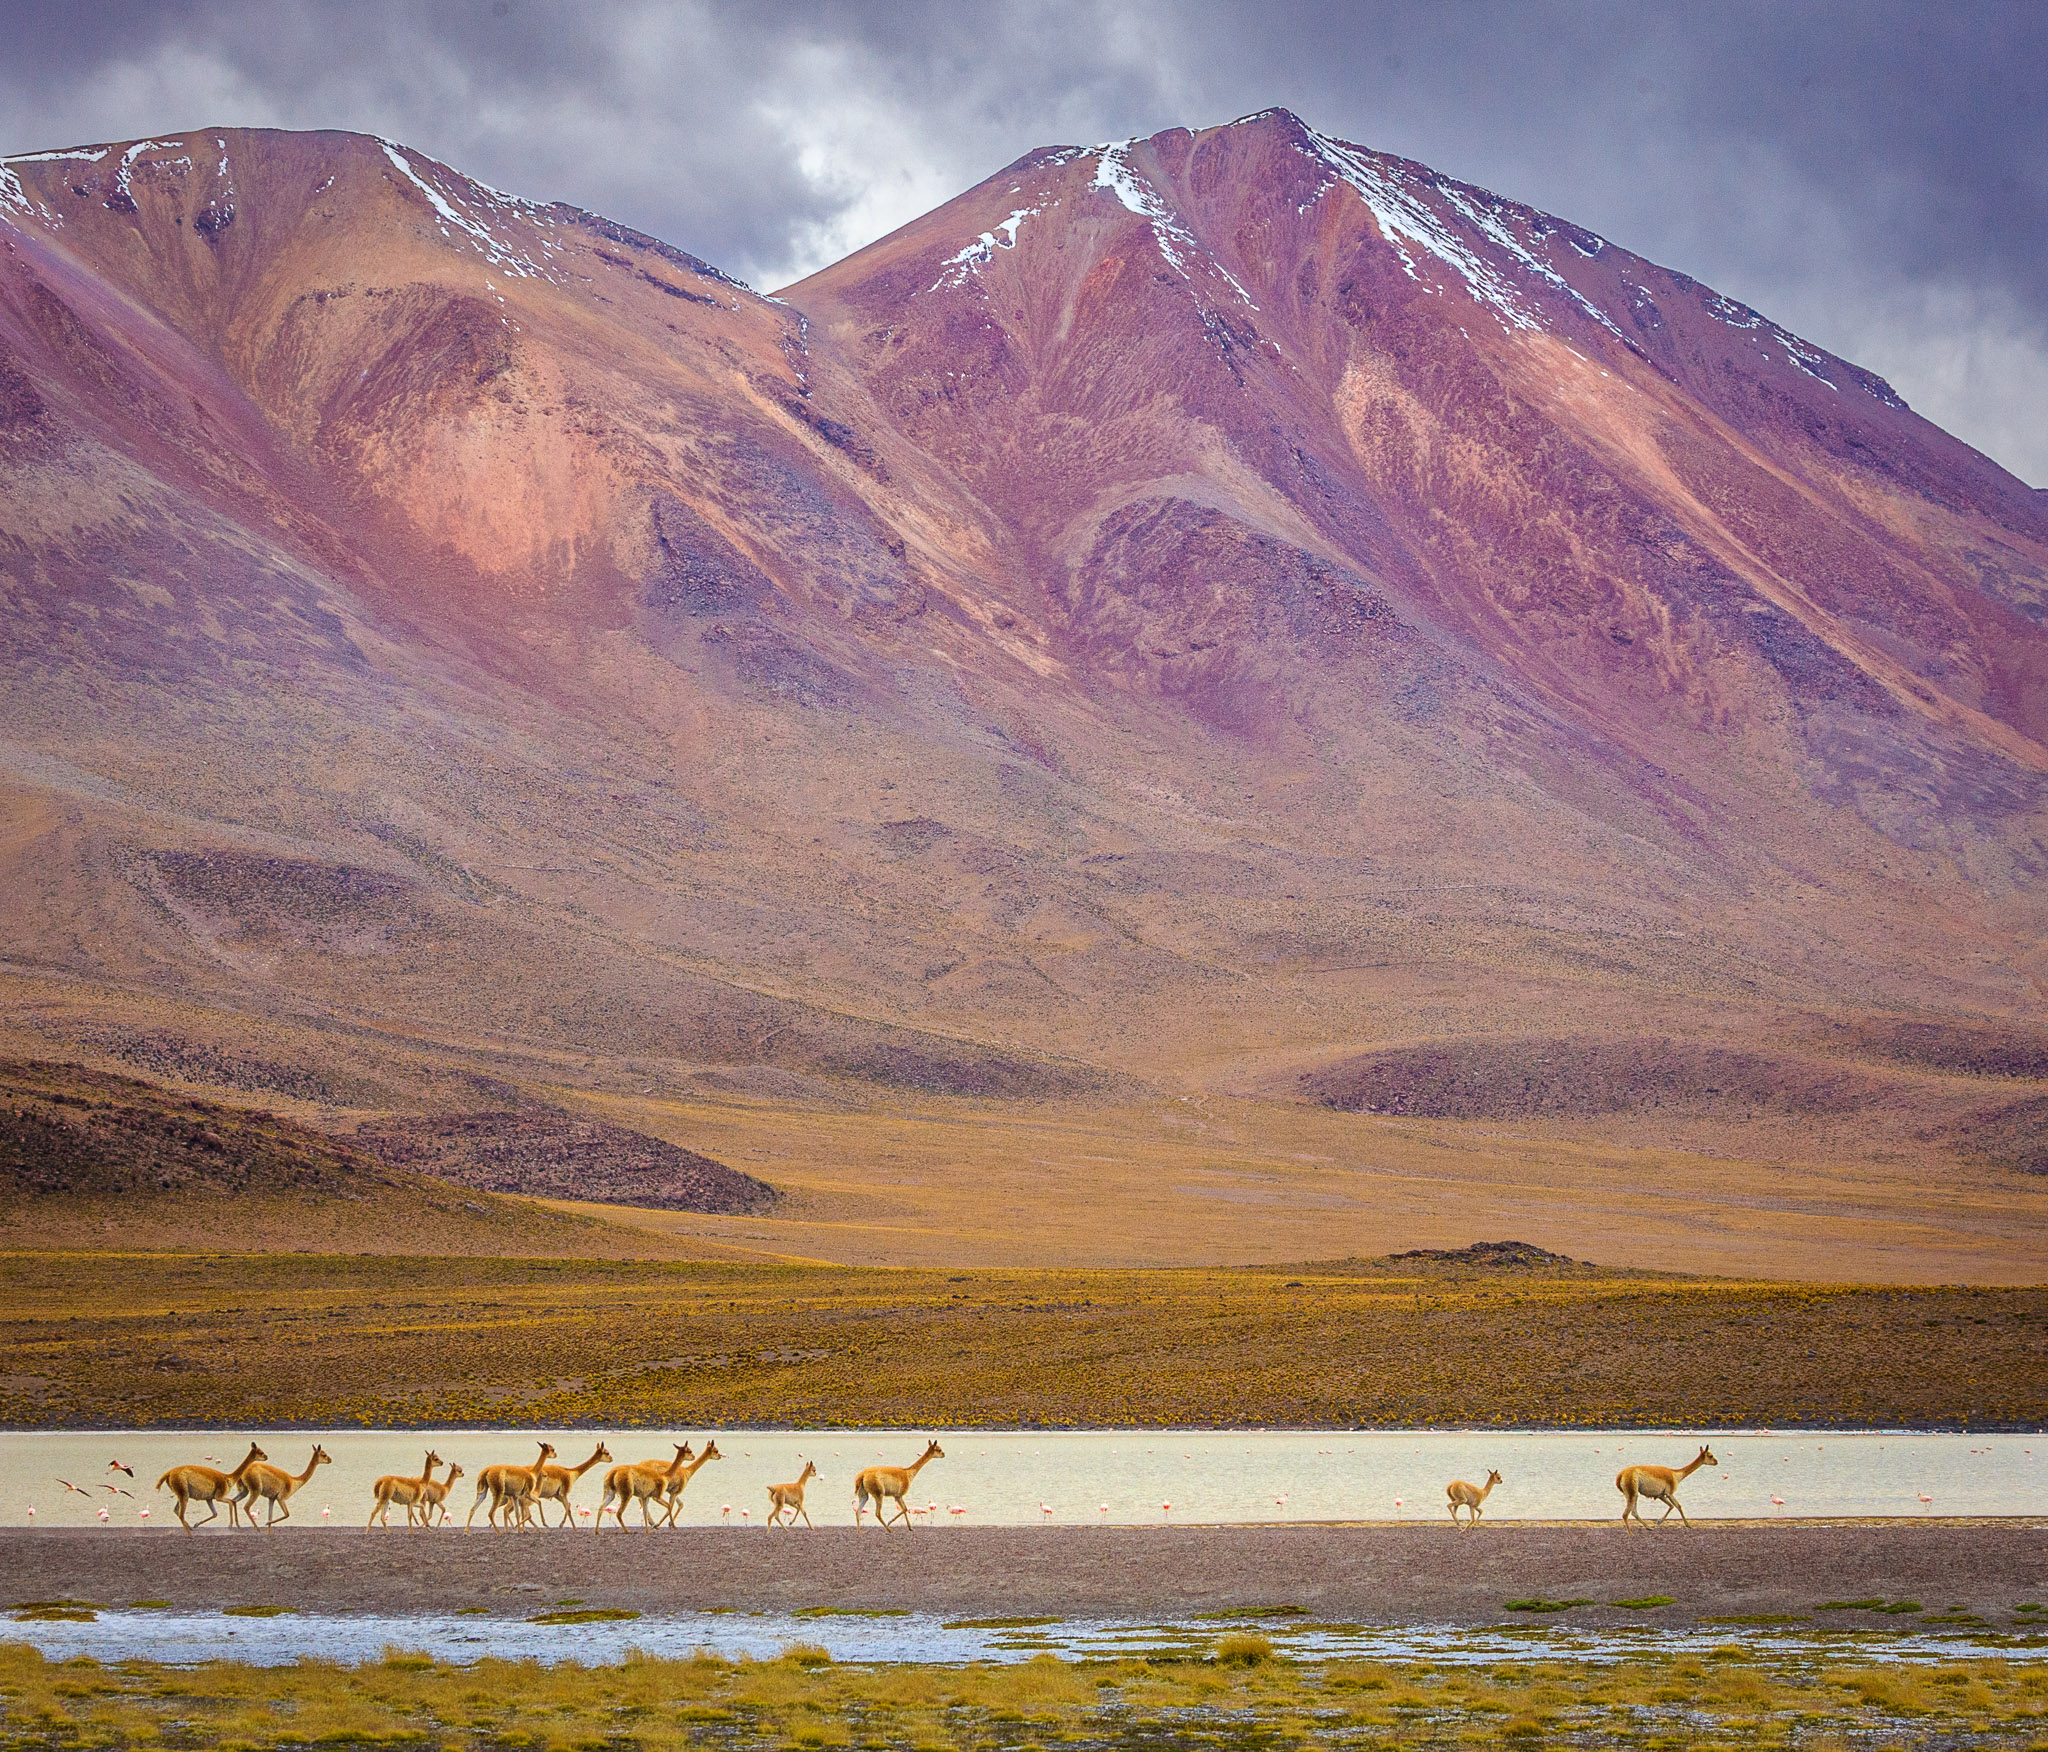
[[1104, 1477], [183, 1638]]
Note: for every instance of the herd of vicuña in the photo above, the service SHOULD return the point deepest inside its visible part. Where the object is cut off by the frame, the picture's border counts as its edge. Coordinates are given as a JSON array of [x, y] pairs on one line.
[[517, 1494]]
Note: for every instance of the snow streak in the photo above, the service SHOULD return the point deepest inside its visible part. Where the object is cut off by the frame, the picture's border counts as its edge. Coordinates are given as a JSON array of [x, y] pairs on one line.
[[496, 252], [1113, 172]]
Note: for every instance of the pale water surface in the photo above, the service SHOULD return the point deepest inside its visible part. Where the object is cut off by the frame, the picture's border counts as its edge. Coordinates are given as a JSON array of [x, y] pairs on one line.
[[191, 1637], [1107, 1477]]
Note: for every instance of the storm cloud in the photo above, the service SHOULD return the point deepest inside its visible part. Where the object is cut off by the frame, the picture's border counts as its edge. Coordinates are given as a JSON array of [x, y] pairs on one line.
[[1873, 175]]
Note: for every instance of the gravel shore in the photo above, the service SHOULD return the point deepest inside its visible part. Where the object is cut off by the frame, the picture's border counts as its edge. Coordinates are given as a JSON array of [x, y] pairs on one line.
[[1354, 1573]]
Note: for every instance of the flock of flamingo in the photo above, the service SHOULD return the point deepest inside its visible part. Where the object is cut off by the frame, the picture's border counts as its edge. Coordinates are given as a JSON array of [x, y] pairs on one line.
[[517, 1495]]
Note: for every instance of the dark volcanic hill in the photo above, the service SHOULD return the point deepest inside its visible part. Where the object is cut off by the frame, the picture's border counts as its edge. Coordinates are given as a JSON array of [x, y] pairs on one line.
[[1183, 613]]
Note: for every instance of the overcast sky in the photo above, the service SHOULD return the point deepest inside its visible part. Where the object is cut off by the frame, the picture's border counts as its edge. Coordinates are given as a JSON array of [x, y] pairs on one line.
[[1872, 175]]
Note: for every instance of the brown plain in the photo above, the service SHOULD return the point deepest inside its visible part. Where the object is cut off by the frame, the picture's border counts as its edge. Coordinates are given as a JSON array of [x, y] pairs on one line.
[[173, 1340]]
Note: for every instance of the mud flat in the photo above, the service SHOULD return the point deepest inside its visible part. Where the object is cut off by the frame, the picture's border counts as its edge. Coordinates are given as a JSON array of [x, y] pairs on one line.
[[1368, 1574]]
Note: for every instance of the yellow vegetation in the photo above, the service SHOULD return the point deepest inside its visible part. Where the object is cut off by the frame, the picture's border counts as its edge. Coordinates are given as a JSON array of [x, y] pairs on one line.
[[176, 1339], [804, 1699]]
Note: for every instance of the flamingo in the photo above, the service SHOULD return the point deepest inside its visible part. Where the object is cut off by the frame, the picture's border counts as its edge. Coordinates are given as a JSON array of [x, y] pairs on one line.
[[1397, 1502], [31, 1511], [743, 1514], [120, 1466], [75, 1489], [326, 1513], [116, 1490], [1778, 1502], [1045, 1508], [725, 1509], [1166, 1508], [145, 1514], [103, 1514], [956, 1509], [1105, 1508], [1925, 1498]]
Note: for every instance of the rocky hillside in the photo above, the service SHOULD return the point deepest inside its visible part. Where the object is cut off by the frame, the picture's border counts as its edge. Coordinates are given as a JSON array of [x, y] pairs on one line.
[[1187, 613]]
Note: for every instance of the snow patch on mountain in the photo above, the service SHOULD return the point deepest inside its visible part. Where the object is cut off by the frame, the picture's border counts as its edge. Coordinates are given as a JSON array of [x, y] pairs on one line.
[[1114, 172], [1404, 218], [978, 254], [74, 154], [495, 250]]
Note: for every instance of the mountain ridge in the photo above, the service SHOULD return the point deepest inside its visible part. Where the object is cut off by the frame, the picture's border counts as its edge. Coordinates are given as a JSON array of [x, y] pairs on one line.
[[1183, 613]]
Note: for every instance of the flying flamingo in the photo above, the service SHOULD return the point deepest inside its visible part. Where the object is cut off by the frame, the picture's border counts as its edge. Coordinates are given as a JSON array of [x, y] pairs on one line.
[[120, 1466], [75, 1489], [116, 1490]]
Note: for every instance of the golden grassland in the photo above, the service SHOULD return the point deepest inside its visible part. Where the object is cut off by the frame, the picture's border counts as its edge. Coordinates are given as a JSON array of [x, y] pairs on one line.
[[1236, 1695], [1213, 1179], [115, 1340]]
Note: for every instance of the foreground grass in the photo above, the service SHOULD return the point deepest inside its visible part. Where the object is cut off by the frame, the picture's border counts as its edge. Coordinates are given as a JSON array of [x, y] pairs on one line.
[[1238, 1696], [177, 1339]]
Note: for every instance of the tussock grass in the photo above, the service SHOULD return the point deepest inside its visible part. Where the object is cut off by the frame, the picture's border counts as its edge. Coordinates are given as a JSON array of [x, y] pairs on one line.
[[1234, 1699], [333, 1341]]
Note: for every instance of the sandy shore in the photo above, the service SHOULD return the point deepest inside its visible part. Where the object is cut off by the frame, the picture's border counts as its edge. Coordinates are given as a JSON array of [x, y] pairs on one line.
[[1359, 1574]]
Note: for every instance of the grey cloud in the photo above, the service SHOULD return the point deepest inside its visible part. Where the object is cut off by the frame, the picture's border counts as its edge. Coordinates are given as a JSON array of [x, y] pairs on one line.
[[1874, 175]]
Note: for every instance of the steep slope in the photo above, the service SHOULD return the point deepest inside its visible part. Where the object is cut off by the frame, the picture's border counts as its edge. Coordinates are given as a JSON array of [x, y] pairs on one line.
[[1182, 616], [1324, 444]]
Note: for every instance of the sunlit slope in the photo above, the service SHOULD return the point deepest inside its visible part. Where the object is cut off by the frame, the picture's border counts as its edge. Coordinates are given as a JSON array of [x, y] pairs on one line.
[[1189, 615]]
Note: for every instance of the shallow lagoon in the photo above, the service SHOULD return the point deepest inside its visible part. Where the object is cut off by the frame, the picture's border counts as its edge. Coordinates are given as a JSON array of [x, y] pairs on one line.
[[1107, 1477], [181, 1638]]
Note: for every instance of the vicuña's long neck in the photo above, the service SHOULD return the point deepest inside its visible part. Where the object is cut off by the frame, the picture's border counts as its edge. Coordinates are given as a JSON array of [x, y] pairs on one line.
[[427, 1471], [248, 1460], [308, 1473], [588, 1464], [1699, 1460], [910, 1472], [1486, 1490], [695, 1466]]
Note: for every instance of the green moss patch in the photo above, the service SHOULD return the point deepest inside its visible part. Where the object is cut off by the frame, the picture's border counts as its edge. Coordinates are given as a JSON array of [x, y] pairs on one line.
[[584, 1615]]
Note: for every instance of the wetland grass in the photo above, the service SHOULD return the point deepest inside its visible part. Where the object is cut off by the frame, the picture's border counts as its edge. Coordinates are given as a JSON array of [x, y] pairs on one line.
[[1242, 1698], [390, 1342]]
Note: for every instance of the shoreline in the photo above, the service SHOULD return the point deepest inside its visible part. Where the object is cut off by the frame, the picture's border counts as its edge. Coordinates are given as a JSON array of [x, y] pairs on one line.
[[1367, 1573]]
